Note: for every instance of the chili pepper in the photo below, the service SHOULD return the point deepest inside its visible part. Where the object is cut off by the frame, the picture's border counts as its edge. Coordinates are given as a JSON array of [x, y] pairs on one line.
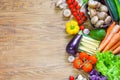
[[72, 27]]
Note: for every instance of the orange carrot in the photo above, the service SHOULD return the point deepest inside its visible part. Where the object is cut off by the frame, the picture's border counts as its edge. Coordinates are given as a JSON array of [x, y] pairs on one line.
[[115, 46], [114, 30], [108, 32], [117, 50], [113, 41]]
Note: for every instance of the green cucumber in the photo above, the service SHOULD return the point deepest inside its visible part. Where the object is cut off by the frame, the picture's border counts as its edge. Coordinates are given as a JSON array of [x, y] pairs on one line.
[[117, 2], [113, 9]]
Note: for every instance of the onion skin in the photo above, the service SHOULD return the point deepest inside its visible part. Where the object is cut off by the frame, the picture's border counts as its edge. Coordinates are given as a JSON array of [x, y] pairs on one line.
[[73, 44]]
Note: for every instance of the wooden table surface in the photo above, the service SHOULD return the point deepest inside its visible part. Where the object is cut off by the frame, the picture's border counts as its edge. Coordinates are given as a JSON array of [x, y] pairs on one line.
[[33, 41]]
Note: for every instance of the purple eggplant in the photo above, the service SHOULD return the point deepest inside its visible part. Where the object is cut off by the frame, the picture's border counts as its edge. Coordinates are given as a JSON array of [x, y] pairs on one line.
[[73, 44]]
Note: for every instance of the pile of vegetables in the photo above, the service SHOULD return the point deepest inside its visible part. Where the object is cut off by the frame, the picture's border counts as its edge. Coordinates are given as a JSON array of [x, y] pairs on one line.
[[85, 62], [98, 14], [112, 39], [93, 51], [109, 65]]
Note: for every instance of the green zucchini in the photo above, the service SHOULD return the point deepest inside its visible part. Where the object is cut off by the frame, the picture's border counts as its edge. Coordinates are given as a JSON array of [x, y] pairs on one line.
[[113, 9], [117, 2]]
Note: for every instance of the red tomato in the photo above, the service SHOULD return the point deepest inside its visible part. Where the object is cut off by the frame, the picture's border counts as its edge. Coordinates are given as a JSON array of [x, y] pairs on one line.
[[73, 10], [77, 18], [69, 2], [83, 56], [82, 27], [92, 59], [74, 14], [82, 14], [71, 78], [80, 22], [75, 3], [87, 67], [84, 18], [77, 63], [77, 7], [71, 6]]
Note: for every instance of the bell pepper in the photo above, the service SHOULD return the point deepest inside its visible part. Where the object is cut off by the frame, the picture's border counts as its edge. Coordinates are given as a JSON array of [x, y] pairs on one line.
[[72, 27]]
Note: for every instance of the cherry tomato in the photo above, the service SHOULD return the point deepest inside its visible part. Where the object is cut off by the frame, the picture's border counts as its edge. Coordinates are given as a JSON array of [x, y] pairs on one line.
[[73, 10], [71, 6], [83, 56], [81, 13], [71, 78], [75, 3], [82, 27], [84, 18], [69, 2], [87, 67], [74, 14], [77, 18], [80, 22], [92, 59], [77, 63], [77, 7]]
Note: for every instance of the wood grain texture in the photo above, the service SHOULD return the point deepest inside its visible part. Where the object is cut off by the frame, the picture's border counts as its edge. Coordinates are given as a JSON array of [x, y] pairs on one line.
[[32, 41]]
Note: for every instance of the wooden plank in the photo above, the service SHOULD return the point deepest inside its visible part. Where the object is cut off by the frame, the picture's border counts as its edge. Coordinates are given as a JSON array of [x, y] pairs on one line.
[[33, 41]]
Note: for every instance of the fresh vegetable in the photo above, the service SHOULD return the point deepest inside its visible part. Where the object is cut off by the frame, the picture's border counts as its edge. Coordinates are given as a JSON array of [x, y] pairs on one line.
[[98, 34], [75, 9], [108, 19], [73, 44], [88, 45], [94, 20], [109, 65], [108, 32], [110, 36], [113, 9], [86, 31], [117, 50], [83, 56], [98, 14], [117, 2], [115, 46], [95, 75], [103, 8], [72, 27], [61, 4], [67, 13], [92, 59], [115, 39], [99, 23], [92, 4], [87, 67], [71, 58], [71, 78], [82, 27], [77, 63], [80, 77]]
